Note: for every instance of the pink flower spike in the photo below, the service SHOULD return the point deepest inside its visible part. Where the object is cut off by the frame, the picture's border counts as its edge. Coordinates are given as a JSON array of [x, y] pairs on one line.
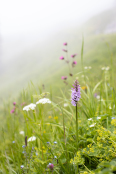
[[12, 111], [74, 62], [61, 58], [64, 50], [14, 103], [65, 44], [73, 55], [64, 77], [51, 166]]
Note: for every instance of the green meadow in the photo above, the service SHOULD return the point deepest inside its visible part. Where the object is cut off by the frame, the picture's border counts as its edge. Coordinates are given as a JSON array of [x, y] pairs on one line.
[[41, 131]]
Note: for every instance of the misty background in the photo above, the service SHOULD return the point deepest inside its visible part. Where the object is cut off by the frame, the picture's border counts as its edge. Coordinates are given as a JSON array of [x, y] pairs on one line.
[[32, 34]]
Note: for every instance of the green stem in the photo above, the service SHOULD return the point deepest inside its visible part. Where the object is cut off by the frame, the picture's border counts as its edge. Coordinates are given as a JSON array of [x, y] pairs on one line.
[[77, 132], [86, 168]]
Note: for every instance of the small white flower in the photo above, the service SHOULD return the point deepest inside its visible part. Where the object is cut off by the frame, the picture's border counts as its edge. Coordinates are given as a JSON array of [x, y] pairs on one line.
[[65, 104], [22, 166], [89, 67], [103, 68], [92, 125], [107, 68], [43, 101], [90, 119], [110, 107], [55, 142], [98, 97], [98, 118], [85, 67], [29, 107], [33, 138], [21, 132]]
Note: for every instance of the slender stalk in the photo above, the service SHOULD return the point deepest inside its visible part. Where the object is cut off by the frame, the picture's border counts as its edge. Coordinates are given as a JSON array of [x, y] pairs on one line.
[[77, 131]]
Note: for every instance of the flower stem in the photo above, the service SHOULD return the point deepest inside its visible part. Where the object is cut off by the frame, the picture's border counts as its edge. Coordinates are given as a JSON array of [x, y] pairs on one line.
[[77, 132]]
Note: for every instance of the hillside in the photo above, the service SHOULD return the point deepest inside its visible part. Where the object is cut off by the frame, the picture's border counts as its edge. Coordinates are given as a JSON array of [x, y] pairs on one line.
[[41, 64]]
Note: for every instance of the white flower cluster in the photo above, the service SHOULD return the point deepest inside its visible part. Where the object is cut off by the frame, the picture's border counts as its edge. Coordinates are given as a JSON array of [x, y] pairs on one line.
[[87, 67], [43, 101], [21, 132], [29, 107], [65, 104], [92, 125], [33, 138], [90, 119], [32, 106], [105, 68]]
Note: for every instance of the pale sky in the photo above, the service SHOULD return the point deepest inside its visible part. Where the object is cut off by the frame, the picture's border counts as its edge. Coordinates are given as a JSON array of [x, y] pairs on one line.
[[40, 16]]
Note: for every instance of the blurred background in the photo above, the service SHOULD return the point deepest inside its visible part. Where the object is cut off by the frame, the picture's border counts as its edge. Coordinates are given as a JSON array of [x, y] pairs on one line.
[[32, 34]]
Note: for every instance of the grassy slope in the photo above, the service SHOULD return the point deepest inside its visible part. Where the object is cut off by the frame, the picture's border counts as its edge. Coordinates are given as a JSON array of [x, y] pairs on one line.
[[42, 64]]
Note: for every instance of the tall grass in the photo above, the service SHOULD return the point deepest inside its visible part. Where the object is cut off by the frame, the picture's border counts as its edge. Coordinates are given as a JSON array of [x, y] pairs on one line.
[[43, 140]]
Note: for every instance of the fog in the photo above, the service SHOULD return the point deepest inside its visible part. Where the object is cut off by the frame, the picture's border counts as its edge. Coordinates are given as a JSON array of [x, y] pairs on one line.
[[26, 23]]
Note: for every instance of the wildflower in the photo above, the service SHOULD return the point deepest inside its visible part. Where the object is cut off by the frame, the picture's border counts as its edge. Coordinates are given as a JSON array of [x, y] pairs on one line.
[[76, 95], [22, 166], [110, 107], [85, 67], [65, 44], [50, 166], [48, 142], [98, 118], [95, 95], [56, 117], [55, 142], [107, 68], [13, 142], [49, 116], [98, 96], [22, 103], [12, 111], [84, 87], [64, 77], [33, 138], [89, 67], [74, 62], [36, 154], [43, 101], [64, 50], [113, 118], [55, 157], [65, 104], [73, 55], [90, 119], [30, 106], [14, 103], [102, 68], [21, 132], [23, 152], [23, 146], [61, 58], [92, 125]]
